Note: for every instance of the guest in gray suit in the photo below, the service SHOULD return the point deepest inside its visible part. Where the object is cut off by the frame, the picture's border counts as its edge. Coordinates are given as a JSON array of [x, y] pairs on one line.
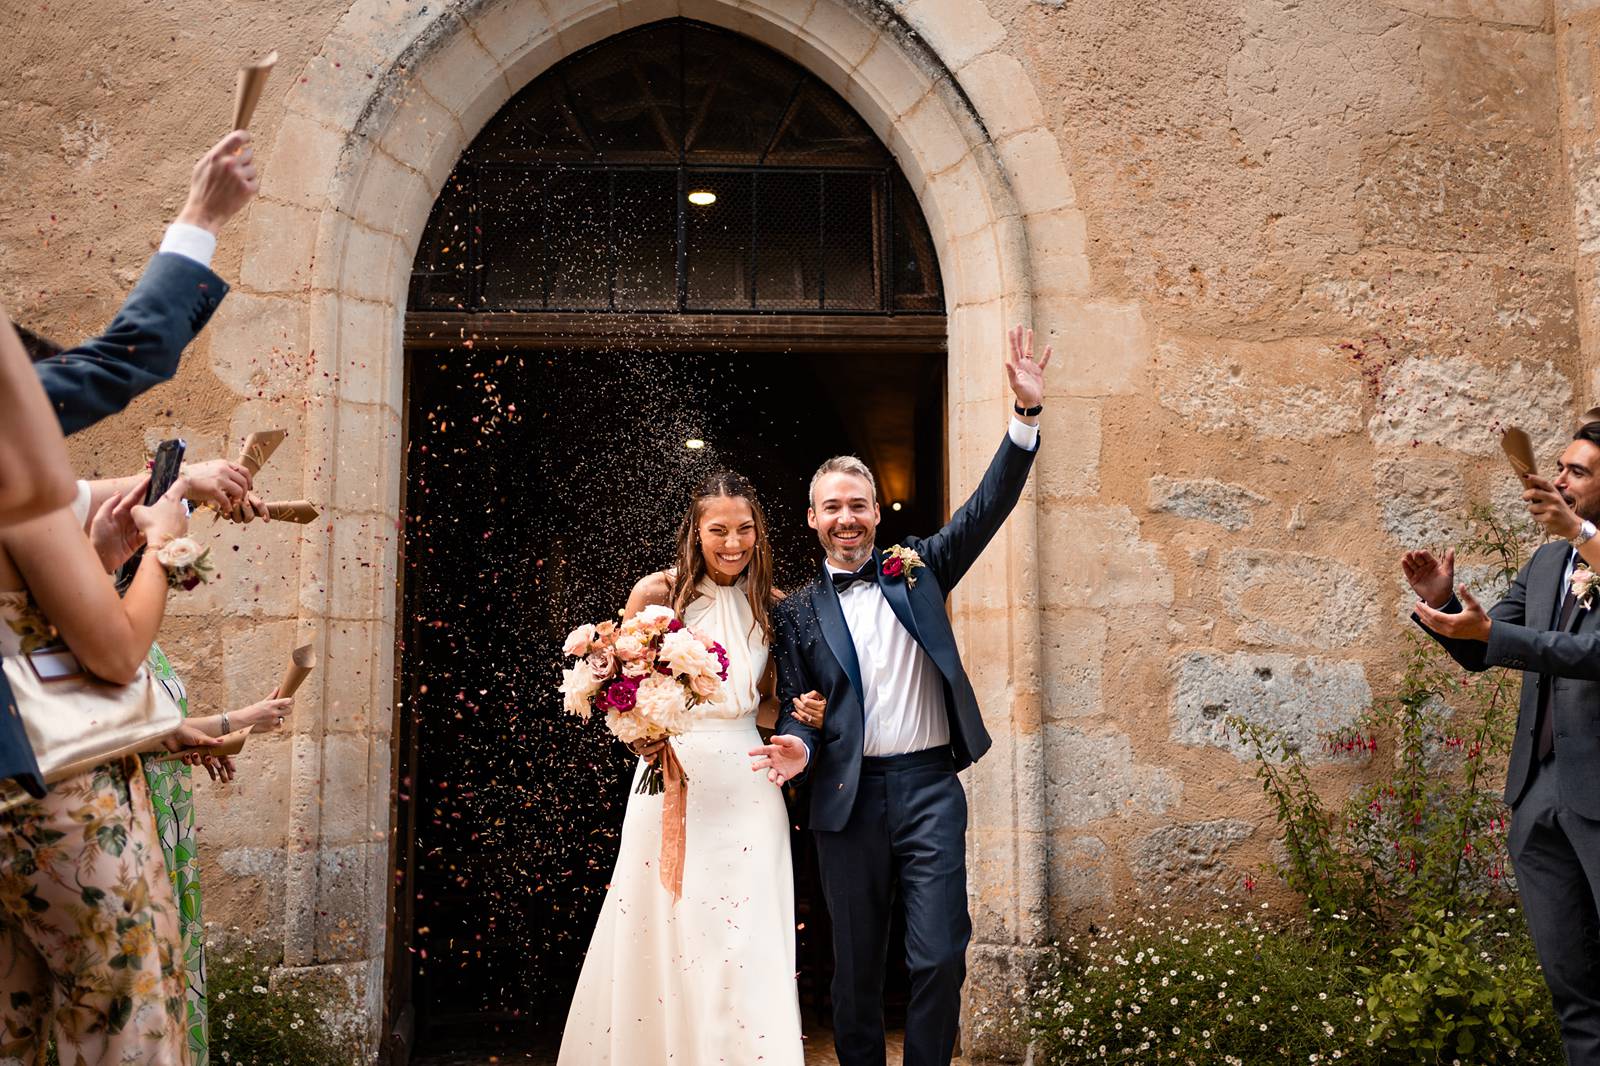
[[1547, 627]]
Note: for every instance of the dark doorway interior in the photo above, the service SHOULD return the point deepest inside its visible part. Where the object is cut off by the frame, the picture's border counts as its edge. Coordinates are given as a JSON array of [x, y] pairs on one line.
[[541, 484]]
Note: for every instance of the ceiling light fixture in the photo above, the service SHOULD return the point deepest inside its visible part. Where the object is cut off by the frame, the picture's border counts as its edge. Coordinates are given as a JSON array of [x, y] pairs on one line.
[[702, 197], [694, 444], [896, 505]]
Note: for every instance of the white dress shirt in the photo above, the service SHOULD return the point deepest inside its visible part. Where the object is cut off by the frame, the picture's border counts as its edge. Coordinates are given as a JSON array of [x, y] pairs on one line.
[[903, 697], [191, 242]]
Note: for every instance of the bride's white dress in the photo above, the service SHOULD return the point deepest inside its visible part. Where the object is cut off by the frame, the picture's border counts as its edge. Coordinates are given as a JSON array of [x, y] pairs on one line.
[[710, 980]]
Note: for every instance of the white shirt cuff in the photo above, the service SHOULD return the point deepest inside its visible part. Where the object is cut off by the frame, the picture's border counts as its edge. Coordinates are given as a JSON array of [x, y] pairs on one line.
[[191, 242], [1023, 435], [80, 503]]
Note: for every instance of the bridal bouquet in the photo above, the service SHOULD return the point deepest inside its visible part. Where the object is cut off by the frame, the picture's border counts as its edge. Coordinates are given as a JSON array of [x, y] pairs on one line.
[[648, 676]]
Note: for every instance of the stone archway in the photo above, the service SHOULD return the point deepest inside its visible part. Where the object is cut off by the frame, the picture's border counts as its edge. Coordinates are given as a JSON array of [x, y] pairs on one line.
[[373, 126]]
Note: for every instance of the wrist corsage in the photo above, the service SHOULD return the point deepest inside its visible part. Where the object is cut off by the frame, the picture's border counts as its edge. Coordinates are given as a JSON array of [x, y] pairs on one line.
[[187, 565]]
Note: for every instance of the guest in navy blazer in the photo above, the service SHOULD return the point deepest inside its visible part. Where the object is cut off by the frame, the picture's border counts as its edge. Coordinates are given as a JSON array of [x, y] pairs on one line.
[[870, 633], [169, 306]]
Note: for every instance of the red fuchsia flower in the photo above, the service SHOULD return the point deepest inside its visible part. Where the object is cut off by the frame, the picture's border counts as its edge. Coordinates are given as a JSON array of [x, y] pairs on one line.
[[892, 567], [674, 625], [623, 693]]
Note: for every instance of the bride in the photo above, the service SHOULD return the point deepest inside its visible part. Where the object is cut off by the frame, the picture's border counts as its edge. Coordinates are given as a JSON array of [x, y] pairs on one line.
[[710, 979]]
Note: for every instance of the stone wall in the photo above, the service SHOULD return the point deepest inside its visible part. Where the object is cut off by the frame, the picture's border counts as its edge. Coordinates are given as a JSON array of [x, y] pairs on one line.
[[1298, 262]]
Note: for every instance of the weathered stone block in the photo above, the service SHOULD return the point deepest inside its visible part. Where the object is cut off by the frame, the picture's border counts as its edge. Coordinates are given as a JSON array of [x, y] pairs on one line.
[[1463, 404], [1287, 599], [1495, 81], [1442, 194], [1080, 878], [1095, 776], [1103, 348], [1072, 469], [1288, 390], [1071, 658], [1205, 499], [1424, 500], [1093, 557], [1187, 859], [258, 345], [1300, 699]]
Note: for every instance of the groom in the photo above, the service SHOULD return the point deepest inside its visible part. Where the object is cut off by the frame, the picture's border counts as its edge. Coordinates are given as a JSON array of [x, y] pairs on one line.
[[870, 633]]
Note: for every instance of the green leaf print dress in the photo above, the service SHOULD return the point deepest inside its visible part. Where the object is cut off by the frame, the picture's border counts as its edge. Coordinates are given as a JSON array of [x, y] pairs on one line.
[[172, 795]]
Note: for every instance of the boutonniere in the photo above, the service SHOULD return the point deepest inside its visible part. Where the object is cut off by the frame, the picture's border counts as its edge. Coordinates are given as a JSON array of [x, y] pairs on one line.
[[900, 561], [1584, 587]]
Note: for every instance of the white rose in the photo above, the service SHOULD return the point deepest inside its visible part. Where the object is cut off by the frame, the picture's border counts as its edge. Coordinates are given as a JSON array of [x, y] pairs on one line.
[[179, 553], [578, 641], [656, 614]]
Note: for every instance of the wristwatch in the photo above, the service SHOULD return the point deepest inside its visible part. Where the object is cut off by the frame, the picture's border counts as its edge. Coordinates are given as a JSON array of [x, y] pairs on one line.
[[1585, 533], [1027, 412]]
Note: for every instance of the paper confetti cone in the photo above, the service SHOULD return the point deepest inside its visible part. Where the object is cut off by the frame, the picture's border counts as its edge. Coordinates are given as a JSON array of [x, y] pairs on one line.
[[301, 662], [258, 448], [301, 511], [247, 92]]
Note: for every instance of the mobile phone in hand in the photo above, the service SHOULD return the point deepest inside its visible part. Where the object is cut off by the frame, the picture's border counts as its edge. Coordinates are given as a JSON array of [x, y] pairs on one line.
[[164, 470]]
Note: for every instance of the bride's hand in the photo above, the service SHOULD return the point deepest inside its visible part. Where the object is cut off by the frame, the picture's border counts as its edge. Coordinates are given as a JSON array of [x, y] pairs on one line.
[[648, 750], [810, 708]]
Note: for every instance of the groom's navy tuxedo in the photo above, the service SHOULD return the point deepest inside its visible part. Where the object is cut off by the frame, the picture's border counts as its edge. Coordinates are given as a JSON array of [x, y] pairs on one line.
[[895, 822]]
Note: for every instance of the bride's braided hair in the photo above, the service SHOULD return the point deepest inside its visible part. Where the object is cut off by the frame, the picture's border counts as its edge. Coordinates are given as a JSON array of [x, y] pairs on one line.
[[690, 566]]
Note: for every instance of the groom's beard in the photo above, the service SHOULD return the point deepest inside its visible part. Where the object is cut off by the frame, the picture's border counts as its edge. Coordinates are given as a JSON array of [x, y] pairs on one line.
[[852, 558]]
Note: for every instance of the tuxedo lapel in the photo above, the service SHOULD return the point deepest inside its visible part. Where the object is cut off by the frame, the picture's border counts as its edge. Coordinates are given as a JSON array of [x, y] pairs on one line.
[[898, 593], [830, 617]]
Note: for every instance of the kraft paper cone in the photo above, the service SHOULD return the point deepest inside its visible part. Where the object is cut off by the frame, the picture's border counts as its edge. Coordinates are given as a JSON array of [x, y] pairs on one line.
[[674, 822], [247, 92], [301, 511], [258, 448], [1519, 449], [301, 662], [1591, 415], [232, 744]]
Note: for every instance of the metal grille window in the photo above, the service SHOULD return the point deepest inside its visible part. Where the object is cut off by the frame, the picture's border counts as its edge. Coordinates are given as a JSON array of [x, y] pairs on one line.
[[677, 168]]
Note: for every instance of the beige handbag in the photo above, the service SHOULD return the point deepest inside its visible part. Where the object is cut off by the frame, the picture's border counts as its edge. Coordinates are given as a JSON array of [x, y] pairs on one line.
[[75, 721]]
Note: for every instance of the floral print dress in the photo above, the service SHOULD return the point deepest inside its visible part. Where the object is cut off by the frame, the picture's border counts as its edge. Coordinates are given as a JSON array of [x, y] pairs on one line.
[[172, 794], [88, 931]]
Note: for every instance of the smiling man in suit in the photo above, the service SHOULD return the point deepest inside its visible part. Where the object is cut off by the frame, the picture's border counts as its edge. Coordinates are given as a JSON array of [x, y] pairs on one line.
[[1553, 782], [871, 634]]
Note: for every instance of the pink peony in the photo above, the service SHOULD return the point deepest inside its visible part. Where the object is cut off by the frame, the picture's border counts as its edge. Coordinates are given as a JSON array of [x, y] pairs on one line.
[[629, 727], [661, 701], [577, 686], [892, 567], [686, 655], [630, 646]]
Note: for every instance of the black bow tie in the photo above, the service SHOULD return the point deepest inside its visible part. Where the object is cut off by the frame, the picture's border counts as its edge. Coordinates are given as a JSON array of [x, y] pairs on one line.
[[868, 573]]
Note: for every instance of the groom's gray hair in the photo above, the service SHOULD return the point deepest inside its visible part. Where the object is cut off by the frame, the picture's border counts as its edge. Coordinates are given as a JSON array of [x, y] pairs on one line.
[[843, 464]]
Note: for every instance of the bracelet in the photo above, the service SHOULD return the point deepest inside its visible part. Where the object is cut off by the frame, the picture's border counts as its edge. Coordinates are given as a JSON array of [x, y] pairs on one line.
[[1027, 412]]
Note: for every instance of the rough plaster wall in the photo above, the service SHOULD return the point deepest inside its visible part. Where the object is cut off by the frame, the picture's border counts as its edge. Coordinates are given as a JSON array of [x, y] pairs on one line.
[[1327, 230], [1345, 229], [105, 106]]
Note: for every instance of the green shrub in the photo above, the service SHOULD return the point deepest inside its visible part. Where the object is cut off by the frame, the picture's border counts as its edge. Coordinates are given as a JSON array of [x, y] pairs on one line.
[[1452, 990], [254, 1024], [1410, 948]]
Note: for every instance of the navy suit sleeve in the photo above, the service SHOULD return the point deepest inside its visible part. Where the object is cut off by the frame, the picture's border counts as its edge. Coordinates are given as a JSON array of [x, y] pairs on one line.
[[951, 552], [1511, 611], [794, 678], [171, 304]]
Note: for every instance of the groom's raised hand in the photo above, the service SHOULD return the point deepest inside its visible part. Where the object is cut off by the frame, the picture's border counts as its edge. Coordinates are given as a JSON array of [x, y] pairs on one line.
[[784, 758], [1024, 372], [1429, 577]]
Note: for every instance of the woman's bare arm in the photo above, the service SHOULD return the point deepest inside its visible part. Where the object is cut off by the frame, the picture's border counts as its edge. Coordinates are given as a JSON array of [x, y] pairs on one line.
[[653, 590]]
